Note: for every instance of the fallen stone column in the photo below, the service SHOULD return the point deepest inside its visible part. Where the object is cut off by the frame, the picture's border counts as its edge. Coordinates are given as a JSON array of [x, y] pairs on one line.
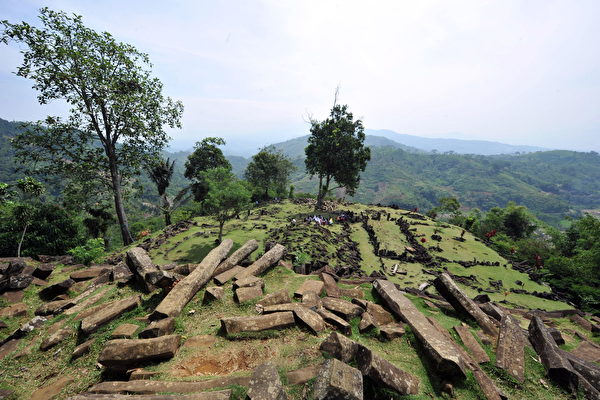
[[510, 352], [259, 323], [141, 265], [265, 384], [185, 289], [224, 277], [107, 313], [307, 316], [463, 304], [488, 387], [219, 395], [343, 308], [338, 380], [589, 370], [124, 354], [238, 256], [477, 353], [149, 387], [384, 373], [559, 368], [438, 348], [269, 259]]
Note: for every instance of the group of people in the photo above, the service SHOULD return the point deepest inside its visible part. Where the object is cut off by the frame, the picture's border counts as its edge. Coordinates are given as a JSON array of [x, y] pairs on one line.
[[318, 220]]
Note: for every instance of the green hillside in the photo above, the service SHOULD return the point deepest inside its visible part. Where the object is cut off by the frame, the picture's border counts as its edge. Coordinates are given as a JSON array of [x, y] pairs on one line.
[[376, 241]]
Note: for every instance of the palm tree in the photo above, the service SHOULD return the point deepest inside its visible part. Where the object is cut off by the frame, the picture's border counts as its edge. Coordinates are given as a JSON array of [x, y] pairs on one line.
[[161, 172]]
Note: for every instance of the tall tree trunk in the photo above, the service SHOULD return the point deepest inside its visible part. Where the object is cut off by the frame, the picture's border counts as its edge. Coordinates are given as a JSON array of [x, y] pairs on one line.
[[166, 209], [118, 196], [221, 223], [320, 194], [21, 241]]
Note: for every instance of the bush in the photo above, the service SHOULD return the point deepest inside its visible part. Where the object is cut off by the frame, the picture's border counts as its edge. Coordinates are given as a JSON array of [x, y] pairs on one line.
[[91, 251]]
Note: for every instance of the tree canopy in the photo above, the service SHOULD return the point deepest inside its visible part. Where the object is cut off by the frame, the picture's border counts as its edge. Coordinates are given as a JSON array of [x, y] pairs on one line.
[[268, 171], [117, 109], [336, 151], [206, 155], [226, 197]]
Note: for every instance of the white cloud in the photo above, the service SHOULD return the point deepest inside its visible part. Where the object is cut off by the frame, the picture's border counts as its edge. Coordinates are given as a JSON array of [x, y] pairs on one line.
[[520, 72]]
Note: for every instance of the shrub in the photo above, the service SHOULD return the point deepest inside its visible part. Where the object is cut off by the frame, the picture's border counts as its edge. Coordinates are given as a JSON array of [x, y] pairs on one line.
[[91, 251]]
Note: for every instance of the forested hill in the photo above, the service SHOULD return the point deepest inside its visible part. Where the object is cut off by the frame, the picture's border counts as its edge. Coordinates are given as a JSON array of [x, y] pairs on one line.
[[552, 183]]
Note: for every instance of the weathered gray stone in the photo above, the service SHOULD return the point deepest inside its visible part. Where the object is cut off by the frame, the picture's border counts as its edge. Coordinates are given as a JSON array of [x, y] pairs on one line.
[[141, 265], [224, 277], [158, 328], [14, 310], [279, 297], [89, 273], [244, 294], [121, 273], [331, 287], [587, 350], [391, 331], [340, 347], [87, 302], [558, 367], [384, 373], [343, 308], [182, 293], [477, 353], [582, 322], [52, 389], [439, 350], [124, 354], [82, 349], [311, 300], [16, 282], [337, 380], [217, 395], [310, 285], [249, 281], [265, 384], [149, 387], [124, 331], [55, 338], [305, 316], [463, 304], [52, 291], [489, 389], [366, 323], [380, 315], [213, 293], [238, 256], [557, 336], [590, 371], [302, 375], [8, 347], [259, 323], [492, 310], [107, 313], [53, 307], [335, 321], [269, 259], [510, 352], [141, 374]]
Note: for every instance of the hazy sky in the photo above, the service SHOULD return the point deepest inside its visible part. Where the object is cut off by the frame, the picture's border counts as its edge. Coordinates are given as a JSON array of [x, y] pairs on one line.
[[520, 72]]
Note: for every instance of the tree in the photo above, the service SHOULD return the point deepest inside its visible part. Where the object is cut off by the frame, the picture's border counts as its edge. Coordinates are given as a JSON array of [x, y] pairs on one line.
[[336, 152], [206, 156], [118, 111], [226, 197], [160, 173], [269, 170]]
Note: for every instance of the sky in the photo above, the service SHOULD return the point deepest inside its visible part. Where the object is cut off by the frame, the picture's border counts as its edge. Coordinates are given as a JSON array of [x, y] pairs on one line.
[[518, 72]]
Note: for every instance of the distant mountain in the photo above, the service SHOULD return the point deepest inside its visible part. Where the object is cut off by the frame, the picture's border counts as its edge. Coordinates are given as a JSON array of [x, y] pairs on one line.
[[460, 146], [294, 148]]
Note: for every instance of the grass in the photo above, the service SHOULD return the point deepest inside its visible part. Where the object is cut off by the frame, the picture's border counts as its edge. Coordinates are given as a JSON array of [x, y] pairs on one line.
[[294, 347]]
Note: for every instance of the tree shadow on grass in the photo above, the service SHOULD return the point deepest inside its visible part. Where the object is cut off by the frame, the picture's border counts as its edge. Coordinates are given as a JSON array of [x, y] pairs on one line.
[[196, 253]]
